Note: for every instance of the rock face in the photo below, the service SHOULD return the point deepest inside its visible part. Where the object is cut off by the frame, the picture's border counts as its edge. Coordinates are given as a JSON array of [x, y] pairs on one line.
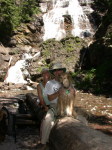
[[99, 53], [70, 134], [101, 46]]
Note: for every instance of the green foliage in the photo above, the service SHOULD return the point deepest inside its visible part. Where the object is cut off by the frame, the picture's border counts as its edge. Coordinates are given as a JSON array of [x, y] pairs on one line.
[[48, 46], [46, 53], [14, 12], [65, 47], [71, 43], [39, 69], [89, 76], [97, 81], [84, 79], [28, 8], [9, 17]]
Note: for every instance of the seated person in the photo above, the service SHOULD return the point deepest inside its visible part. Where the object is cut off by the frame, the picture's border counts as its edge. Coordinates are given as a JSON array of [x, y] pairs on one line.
[[43, 98], [51, 89]]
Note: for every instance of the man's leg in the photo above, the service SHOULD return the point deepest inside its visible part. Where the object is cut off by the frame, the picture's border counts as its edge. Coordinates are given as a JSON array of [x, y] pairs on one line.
[[46, 126]]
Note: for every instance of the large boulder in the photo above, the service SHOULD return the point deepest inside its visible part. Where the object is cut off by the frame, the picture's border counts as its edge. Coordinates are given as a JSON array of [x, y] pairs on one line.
[[70, 134]]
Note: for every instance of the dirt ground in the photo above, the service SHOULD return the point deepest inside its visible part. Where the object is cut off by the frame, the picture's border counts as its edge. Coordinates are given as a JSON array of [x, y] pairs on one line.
[[98, 110]]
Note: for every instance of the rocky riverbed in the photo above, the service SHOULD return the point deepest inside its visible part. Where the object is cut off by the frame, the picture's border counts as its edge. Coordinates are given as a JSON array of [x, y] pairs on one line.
[[97, 109]]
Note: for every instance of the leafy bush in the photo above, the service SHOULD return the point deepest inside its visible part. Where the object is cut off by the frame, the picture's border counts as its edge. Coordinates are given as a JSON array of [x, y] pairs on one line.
[[84, 79], [97, 81]]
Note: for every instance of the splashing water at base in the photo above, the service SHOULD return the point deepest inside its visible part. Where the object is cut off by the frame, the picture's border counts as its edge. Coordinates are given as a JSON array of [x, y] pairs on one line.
[[19, 73]]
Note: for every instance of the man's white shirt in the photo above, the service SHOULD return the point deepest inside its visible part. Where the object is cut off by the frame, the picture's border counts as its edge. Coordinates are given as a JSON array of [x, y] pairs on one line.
[[52, 87]]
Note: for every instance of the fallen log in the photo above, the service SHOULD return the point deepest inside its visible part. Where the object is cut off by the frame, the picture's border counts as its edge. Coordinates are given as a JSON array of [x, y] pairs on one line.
[[25, 122], [35, 109], [24, 116], [70, 134], [24, 119]]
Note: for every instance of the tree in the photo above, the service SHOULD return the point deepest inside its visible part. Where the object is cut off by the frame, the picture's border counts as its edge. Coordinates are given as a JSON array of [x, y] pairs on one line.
[[14, 12]]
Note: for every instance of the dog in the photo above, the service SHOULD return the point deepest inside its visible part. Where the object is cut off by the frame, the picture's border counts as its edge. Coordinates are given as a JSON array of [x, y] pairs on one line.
[[67, 93]]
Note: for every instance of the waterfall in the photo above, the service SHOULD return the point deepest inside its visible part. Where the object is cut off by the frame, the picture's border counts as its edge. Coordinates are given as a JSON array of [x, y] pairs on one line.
[[54, 22], [19, 72], [15, 73], [54, 25]]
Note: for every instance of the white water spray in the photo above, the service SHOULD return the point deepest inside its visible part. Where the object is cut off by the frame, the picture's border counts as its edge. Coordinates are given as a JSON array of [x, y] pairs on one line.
[[54, 20], [54, 24], [19, 72]]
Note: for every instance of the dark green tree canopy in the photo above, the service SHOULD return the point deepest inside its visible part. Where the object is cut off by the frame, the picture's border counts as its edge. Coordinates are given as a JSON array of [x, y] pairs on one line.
[[15, 12]]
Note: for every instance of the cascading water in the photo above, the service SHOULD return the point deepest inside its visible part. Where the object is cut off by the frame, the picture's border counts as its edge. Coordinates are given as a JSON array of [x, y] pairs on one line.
[[19, 72], [54, 22], [54, 26]]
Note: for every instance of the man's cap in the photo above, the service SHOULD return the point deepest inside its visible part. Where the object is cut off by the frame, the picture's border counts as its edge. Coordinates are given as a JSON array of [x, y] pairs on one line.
[[57, 66]]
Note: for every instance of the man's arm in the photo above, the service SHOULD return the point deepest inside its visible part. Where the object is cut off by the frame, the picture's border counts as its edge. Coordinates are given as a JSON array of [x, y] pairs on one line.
[[49, 89], [53, 96]]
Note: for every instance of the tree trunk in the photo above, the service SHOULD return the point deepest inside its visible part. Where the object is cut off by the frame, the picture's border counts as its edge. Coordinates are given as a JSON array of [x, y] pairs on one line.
[[70, 134]]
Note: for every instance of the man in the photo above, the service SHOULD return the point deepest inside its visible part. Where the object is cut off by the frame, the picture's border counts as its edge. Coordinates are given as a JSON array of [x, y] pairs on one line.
[[52, 87]]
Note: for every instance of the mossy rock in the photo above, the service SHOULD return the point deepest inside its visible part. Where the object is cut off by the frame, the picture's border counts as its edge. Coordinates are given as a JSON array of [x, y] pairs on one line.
[[67, 50]]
